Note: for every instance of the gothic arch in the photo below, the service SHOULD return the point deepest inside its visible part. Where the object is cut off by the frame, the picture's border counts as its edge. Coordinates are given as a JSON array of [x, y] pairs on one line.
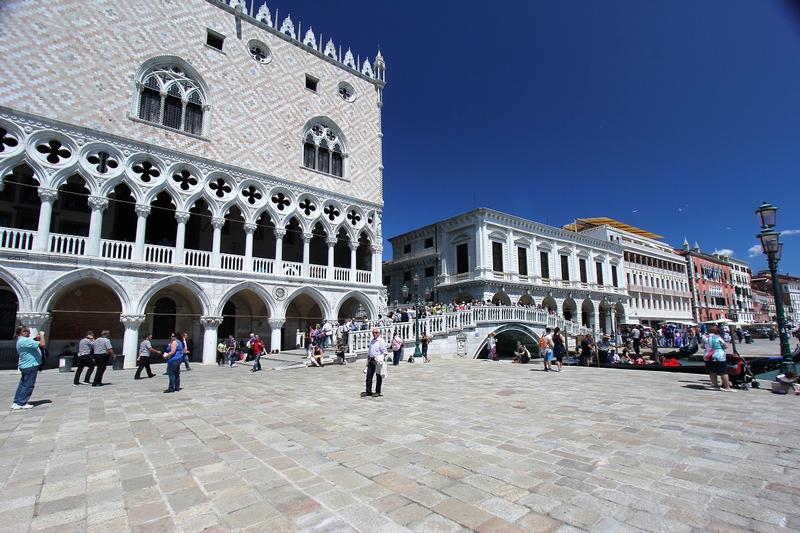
[[521, 328], [361, 297], [52, 290], [19, 288], [259, 290], [163, 283], [312, 293]]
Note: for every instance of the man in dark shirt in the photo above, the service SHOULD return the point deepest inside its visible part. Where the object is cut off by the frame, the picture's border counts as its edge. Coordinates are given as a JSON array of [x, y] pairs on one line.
[[103, 353], [84, 359]]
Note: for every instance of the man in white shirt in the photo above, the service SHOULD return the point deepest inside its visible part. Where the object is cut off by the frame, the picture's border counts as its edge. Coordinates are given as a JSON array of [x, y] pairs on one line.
[[637, 341], [327, 329], [375, 356]]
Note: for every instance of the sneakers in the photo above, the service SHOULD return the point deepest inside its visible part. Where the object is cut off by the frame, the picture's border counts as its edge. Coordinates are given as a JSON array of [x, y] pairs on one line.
[[365, 394], [15, 407], [727, 390]]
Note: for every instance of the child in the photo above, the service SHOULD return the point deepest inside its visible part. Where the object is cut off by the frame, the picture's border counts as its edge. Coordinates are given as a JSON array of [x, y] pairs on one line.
[[340, 358], [785, 382]]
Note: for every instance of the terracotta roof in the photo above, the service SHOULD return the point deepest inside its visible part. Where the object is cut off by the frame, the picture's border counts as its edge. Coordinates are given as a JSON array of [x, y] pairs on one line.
[[586, 223]]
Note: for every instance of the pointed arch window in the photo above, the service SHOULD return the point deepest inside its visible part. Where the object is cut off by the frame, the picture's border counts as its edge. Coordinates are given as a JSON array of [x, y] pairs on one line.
[[170, 97], [323, 149]]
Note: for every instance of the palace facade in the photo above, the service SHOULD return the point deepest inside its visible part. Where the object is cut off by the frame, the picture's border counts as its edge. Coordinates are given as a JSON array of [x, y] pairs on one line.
[[485, 254], [195, 165]]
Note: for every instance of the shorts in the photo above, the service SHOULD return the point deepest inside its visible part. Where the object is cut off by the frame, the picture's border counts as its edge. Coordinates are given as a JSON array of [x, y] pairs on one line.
[[560, 351], [548, 355], [719, 368]]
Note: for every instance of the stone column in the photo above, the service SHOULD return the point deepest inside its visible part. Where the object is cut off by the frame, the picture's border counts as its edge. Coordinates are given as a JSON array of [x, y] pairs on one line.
[[479, 255], [142, 212], [182, 217], [35, 321], [353, 248], [306, 253], [249, 229], [275, 340], [216, 223], [130, 342], [98, 205], [331, 243], [280, 233], [377, 264], [210, 325], [48, 197]]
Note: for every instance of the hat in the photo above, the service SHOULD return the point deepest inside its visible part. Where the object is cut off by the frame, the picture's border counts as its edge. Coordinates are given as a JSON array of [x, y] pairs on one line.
[[606, 336]]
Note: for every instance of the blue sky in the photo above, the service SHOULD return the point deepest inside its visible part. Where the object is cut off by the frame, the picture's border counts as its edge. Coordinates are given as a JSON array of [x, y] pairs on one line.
[[677, 116]]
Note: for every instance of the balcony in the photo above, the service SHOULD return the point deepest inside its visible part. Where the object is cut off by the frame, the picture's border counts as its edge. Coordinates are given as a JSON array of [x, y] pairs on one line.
[[16, 240]]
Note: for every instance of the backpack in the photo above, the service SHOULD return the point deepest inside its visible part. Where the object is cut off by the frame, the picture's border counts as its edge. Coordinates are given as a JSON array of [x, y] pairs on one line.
[[221, 347], [543, 343]]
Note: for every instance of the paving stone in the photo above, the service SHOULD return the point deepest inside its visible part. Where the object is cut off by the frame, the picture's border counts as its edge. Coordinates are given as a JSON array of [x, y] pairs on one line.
[[409, 513], [463, 513]]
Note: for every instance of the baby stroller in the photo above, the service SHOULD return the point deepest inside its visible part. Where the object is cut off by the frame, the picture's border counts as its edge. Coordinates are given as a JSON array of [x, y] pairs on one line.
[[740, 374]]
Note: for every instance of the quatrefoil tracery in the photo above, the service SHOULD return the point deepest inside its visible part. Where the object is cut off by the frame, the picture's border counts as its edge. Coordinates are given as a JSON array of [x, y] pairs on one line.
[[307, 206], [281, 201], [54, 150], [102, 162], [6, 139], [146, 170], [354, 217], [184, 179], [220, 187], [332, 212], [252, 194]]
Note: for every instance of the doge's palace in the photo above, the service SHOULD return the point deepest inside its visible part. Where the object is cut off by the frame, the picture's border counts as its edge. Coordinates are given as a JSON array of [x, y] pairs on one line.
[[197, 165]]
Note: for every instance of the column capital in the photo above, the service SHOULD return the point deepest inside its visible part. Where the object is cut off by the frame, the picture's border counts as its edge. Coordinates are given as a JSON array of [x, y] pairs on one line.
[[182, 216], [280, 233], [132, 321], [36, 320], [210, 322], [353, 245], [276, 323], [377, 248], [249, 227], [307, 236], [331, 241], [98, 203], [143, 210], [217, 222], [47, 194]]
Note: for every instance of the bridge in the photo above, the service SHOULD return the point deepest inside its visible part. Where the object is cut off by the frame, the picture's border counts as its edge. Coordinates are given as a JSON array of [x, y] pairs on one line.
[[463, 333]]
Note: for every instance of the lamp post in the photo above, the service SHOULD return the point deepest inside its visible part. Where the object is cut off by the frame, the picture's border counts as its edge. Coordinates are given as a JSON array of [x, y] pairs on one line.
[[417, 303], [772, 247], [732, 317]]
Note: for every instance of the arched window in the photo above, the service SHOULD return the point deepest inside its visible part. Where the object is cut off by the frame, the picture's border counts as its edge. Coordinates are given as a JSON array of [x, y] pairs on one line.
[[164, 318], [323, 148], [170, 97]]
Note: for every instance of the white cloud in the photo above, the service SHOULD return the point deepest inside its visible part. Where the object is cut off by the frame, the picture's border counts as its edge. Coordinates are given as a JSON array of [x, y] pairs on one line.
[[754, 250], [790, 232], [727, 252]]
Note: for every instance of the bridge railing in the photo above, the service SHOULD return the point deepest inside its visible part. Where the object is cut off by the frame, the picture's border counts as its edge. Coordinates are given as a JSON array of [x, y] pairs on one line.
[[450, 323]]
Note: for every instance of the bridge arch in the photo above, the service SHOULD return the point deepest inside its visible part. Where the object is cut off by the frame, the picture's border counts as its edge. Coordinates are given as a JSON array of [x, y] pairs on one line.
[[506, 336]]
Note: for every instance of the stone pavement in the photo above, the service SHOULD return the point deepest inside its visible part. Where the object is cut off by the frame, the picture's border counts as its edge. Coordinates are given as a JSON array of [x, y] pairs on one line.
[[453, 445]]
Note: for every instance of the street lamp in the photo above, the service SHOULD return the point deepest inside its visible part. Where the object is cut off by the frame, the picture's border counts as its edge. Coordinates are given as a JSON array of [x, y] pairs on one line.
[[417, 303], [772, 248]]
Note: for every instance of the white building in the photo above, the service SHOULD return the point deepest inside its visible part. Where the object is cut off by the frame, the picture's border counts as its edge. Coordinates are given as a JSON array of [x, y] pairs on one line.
[[484, 254], [743, 297], [190, 165], [656, 278]]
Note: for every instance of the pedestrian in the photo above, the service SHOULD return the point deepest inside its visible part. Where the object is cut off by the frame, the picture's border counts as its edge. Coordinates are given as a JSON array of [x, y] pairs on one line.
[[30, 358], [548, 349], [221, 349], [85, 359], [397, 348], [637, 340], [523, 355], [316, 358], [230, 344], [587, 345], [376, 356], [143, 359], [258, 348], [174, 357], [187, 347], [491, 343], [559, 349], [716, 359], [251, 338], [327, 330], [603, 349], [340, 354], [103, 354], [425, 341]]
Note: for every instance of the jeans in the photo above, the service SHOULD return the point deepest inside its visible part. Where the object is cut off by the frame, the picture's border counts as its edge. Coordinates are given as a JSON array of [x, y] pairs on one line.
[[84, 361], [257, 362], [100, 363], [232, 358], [372, 371], [398, 356], [637, 344], [26, 382], [174, 373], [186, 361]]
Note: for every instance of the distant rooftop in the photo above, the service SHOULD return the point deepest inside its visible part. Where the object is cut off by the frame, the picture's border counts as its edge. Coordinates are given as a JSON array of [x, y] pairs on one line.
[[581, 224]]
